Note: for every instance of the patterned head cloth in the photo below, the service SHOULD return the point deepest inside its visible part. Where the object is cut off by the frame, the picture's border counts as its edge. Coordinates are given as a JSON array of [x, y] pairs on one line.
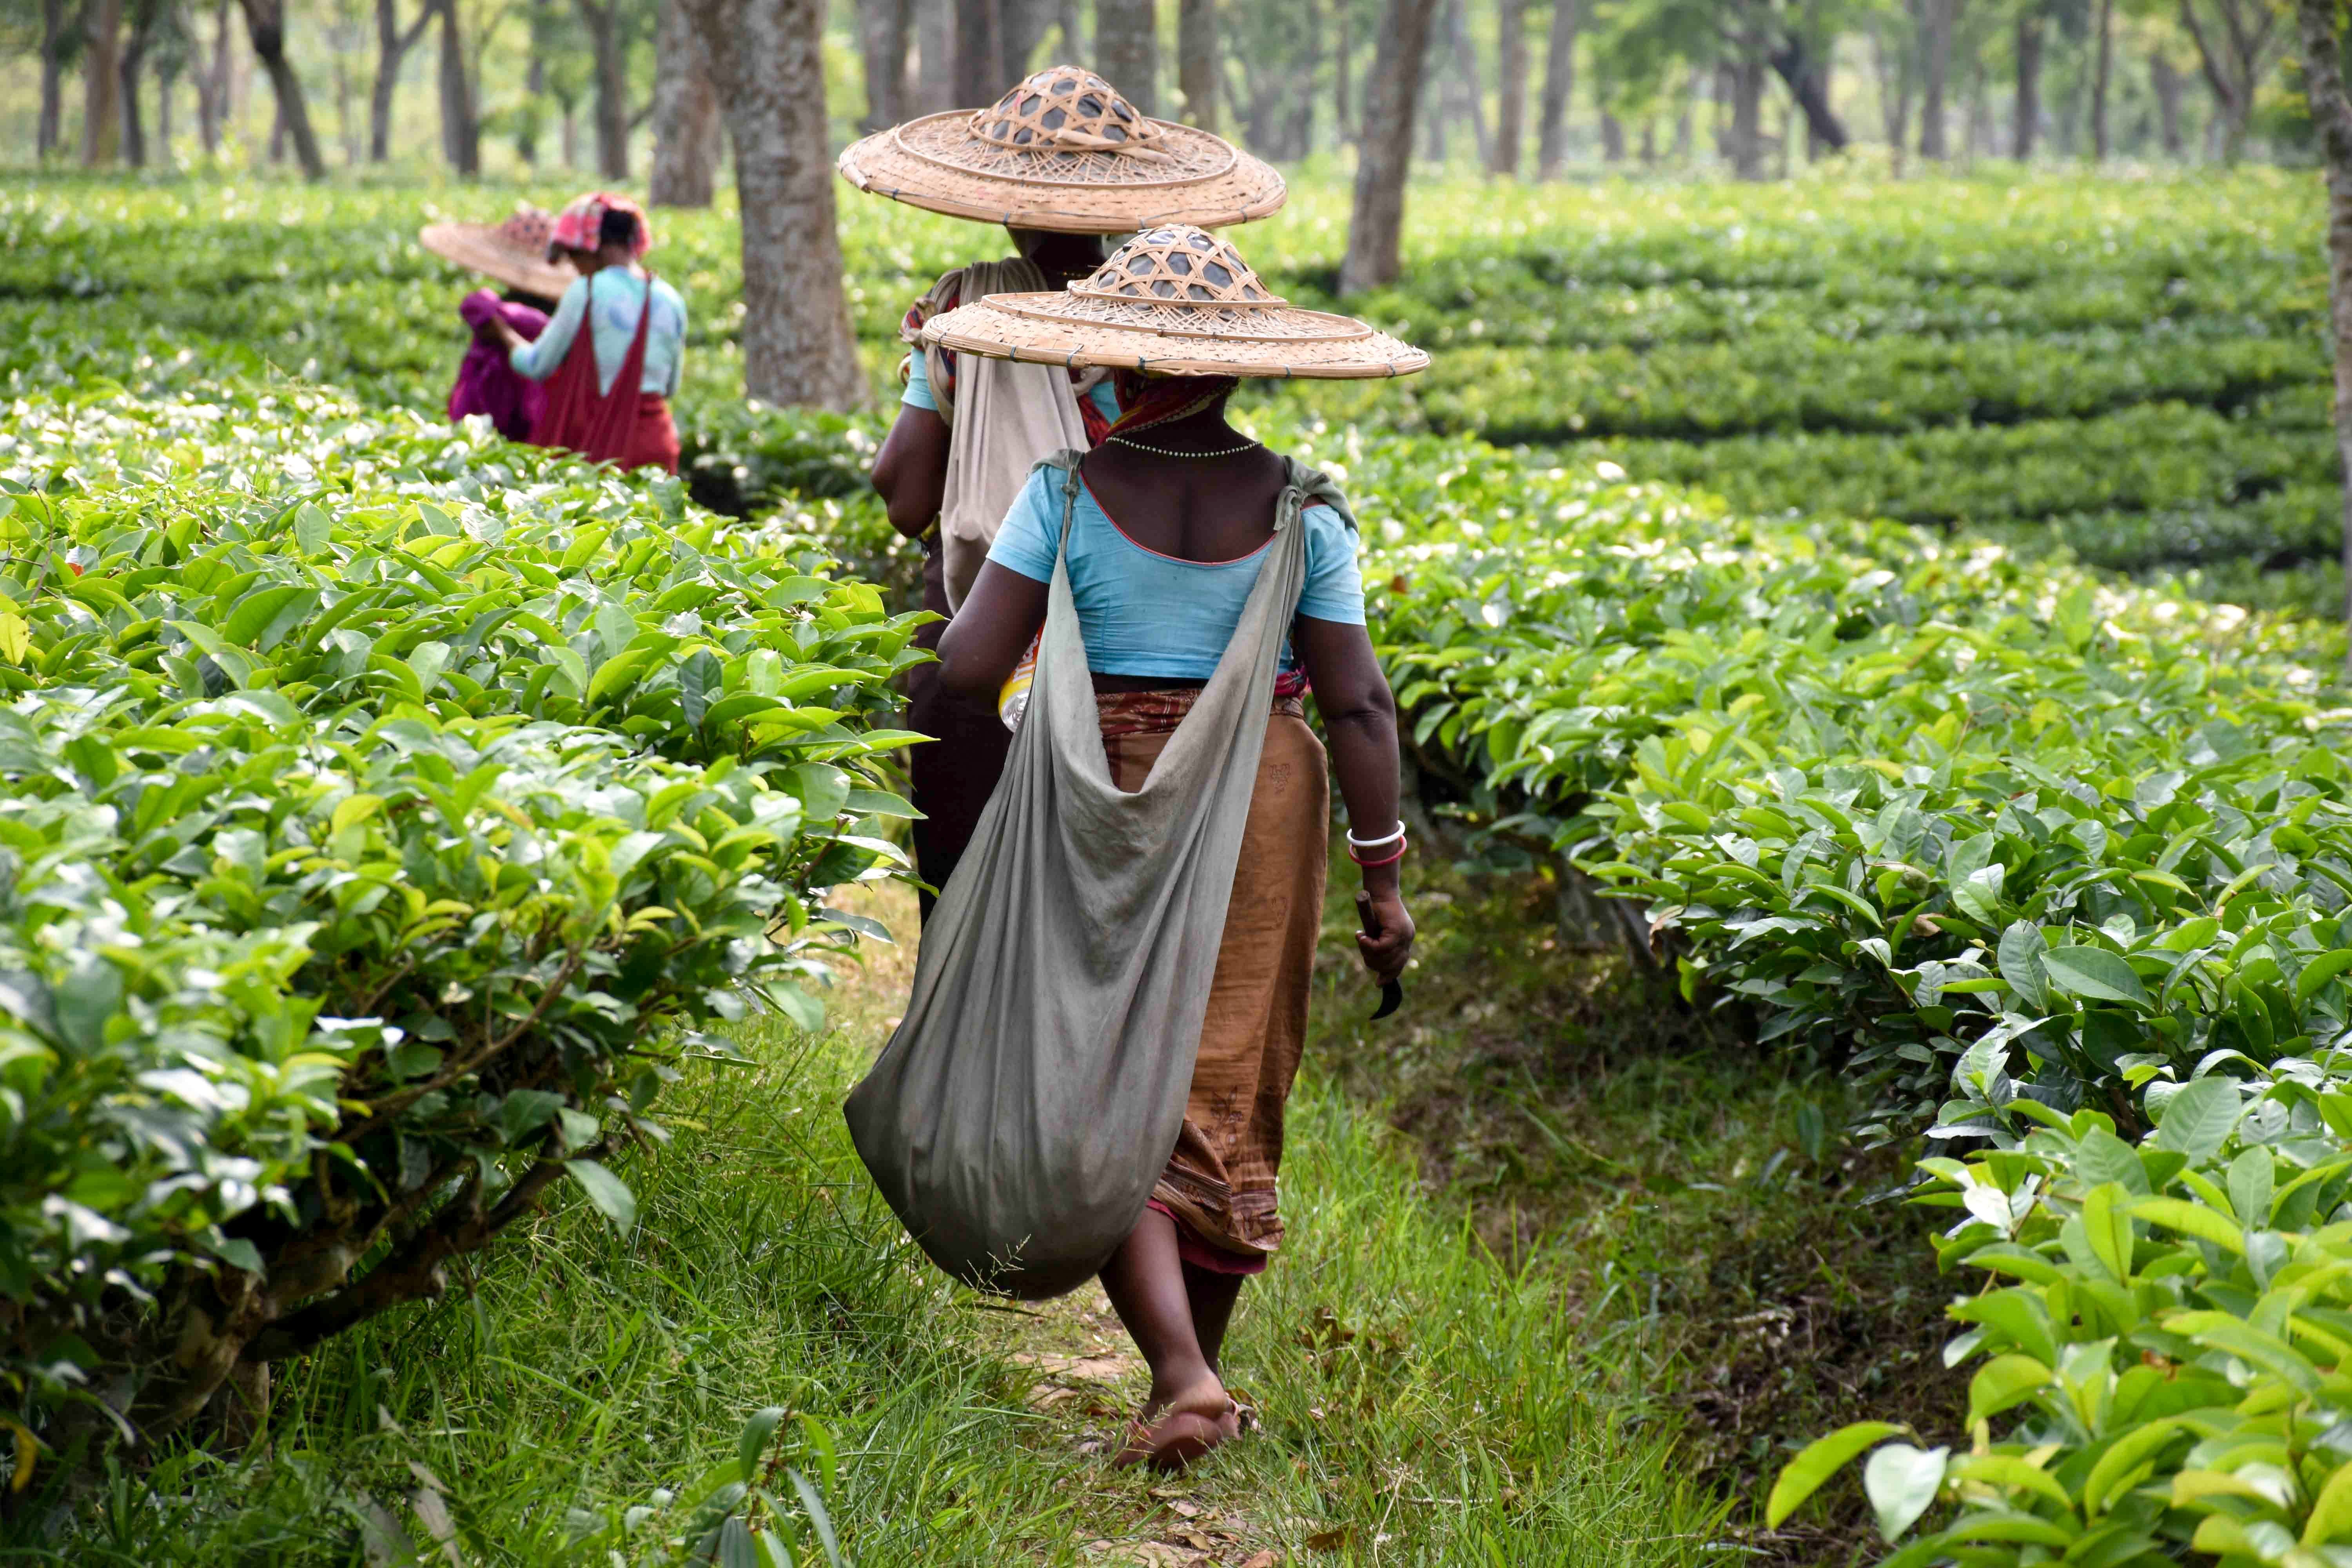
[[577, 225]]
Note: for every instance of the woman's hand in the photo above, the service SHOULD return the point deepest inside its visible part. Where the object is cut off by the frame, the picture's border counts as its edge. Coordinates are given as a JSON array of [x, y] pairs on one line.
[[1386, 940]]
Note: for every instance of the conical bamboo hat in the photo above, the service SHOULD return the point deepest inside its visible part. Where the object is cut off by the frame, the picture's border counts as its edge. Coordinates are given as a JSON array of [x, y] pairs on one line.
[[1063, 150], [1175, 300], [513, 252]]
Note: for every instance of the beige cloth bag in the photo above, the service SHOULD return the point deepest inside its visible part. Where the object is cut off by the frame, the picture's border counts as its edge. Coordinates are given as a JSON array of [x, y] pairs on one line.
[[1003, 419], [1020, 1116]]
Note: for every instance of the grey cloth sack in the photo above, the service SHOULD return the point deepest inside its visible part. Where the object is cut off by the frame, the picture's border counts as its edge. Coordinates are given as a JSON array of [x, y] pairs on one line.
[[1031, 1096]]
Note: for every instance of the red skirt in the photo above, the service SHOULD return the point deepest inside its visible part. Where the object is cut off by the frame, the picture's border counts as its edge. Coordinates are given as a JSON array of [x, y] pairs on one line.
[[652, 438]]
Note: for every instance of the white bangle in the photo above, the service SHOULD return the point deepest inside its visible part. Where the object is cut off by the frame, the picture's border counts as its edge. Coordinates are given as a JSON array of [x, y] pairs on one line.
[[1375, 842]]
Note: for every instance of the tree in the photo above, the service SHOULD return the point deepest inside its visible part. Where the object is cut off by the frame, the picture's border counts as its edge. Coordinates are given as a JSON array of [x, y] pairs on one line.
[[2164, 80], [461, 129], [687, 132], [392, 43], [2237, 43], [1392, 104], [212, 80], [1468, 99], [1560, 81], [979, 52], [1510, 85], [1890, 58], [2321, 24], [1196, 61], [767, 60], [264, 27], [143, 17], [60, 40], [101, 83], [2102, 60], [1937, 19], [609, 26], [883, 28], [2026, 124], [1126, 50]]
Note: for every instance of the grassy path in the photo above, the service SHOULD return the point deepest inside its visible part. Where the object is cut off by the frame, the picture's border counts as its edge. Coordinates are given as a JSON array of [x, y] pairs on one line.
[[1559, 1280]]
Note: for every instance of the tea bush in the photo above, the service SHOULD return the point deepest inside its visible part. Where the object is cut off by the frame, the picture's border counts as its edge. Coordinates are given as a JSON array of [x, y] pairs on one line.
[[2159, 1332], [391, 812]]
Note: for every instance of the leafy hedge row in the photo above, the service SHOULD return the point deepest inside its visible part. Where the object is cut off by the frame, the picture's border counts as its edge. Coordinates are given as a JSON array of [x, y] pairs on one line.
[[2067, 868], [390, 812]]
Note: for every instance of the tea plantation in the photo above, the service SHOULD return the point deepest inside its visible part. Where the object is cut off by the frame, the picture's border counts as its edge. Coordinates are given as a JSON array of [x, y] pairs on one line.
[[404, 830]]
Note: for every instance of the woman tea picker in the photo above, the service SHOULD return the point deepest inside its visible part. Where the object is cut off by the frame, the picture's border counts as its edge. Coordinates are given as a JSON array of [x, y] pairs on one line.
[[514, 253], [1061, 160], [1111, 996], [612, 352]]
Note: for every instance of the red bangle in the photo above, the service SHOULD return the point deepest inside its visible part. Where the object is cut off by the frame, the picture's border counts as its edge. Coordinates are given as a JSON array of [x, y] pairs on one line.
[[1383, 860]]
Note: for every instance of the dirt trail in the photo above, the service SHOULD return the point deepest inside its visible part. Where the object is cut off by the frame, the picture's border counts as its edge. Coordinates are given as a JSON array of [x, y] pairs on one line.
[[1085, 1377]]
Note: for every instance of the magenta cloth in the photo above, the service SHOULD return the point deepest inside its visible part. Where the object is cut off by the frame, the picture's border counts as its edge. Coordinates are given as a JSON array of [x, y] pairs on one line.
[[487, 383], [1192, 1250]]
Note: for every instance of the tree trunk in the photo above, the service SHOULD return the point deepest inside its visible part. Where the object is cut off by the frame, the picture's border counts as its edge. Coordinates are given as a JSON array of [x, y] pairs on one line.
[[1299, 133], [1126, 50], [133, 62], [265, 24], [687, 132], [1510, 85], [1684, 126], [2331, 114], [53, 78], [767, 60], [2102, 53], [1892, 64], [882, 31], [461, 130], [1808, 80], [1560, 81], [1612, 138], [392, 43], [1023, 27], [101, 83], [935, 42], [978, 53], [608, 35], [1392, 100], [1196, 60], [213, 83], [2234, 68], [166, 85], [2028, 122], [1470, 99], [568, 130], [1342, 96], [1746, 118], [2167, 83], [1936, 66], [534, 90]]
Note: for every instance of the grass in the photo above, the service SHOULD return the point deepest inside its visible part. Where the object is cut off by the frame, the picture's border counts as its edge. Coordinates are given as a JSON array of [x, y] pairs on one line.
[[1425, 1398]]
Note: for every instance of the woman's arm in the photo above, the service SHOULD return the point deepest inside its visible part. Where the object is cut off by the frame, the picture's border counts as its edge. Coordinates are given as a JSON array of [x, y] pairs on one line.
[[991, 632], [536, 359], [911, 472], [1359, 717]]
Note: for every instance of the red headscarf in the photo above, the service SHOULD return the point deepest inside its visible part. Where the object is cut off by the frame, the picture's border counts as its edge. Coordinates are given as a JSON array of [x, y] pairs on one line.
[[578, 226]]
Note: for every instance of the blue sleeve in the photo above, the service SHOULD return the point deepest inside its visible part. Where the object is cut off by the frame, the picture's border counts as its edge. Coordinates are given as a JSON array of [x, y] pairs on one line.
[[677, 354], [1106, 398], [1033, 529], [919, 383], [1335, 586], [537, 359]]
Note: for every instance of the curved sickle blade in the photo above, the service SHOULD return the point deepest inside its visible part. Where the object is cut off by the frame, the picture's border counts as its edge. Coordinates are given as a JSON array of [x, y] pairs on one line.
[[1391, 998]]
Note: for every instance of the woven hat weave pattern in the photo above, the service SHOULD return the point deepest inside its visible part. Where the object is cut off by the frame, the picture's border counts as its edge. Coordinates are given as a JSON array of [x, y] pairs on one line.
[[1175, 300], [1064, 150], [513, 252]]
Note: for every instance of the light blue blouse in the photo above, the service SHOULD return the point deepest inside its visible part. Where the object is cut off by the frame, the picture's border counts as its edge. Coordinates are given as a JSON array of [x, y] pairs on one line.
[[620, 299], [1142, 613]]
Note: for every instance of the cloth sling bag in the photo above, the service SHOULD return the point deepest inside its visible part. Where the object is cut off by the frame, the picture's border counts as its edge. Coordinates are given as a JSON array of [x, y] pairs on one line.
[[1032, 1095], [1004, 418]]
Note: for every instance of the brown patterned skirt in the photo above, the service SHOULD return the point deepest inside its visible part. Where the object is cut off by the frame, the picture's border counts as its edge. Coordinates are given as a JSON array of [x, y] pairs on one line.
[[1220, 1185]]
